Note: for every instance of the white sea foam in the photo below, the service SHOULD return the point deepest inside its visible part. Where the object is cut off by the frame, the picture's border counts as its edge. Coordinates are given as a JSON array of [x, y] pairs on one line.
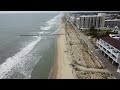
[[35, 36], [55, 32], [50, 23], [41, 32], [21, 63], [17, 60]]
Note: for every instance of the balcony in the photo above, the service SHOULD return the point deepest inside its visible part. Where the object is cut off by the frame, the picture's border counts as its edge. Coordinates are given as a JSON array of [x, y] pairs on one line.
[[109, 50], [111, 56], [106, 46], [99, 46], [114, 58], [108, 53]]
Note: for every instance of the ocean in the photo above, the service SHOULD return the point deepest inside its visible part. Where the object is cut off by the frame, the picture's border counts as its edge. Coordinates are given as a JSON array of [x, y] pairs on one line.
[[27, 45]]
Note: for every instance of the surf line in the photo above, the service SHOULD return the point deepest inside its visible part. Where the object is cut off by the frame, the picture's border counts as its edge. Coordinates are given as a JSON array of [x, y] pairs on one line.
[[29, 35], [11, 62]]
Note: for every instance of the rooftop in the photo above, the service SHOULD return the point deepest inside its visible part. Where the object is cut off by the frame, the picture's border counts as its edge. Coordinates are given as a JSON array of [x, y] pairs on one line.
[[112, 41], [113, 20], [90, 16]]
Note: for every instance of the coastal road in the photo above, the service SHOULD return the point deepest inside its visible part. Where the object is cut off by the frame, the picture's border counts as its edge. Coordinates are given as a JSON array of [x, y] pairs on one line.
[[97, 54]]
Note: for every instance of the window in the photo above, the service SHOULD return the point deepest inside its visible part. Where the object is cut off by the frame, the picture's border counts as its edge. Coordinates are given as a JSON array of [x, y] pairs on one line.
[[88, 22], [98, 22], [104, 49], [108, 52]]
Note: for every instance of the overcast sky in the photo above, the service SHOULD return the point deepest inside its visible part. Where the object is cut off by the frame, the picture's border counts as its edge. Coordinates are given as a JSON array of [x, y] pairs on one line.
[[10, 12]]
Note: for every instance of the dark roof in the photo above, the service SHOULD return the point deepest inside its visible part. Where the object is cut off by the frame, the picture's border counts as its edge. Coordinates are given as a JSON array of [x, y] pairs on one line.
[[112, 41]]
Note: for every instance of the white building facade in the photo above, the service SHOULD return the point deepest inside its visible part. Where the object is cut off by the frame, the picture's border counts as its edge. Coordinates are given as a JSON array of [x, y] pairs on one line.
[[87, 21], [72, 18], [109, 50], [112, 23]]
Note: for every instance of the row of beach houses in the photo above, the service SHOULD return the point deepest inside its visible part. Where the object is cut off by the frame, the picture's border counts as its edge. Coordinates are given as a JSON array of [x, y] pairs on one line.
[[109, 45]]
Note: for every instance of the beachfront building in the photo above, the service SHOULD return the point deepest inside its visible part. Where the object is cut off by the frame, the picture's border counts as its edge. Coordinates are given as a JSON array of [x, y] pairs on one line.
[[87, 21], [72, 17], [116, 29], [111, 16], [111, 23], [110, 46], [77, 22]]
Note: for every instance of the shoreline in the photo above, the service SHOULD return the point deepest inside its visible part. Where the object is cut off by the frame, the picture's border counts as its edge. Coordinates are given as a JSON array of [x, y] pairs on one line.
[[54, 67], [61, 68], [53, 71]]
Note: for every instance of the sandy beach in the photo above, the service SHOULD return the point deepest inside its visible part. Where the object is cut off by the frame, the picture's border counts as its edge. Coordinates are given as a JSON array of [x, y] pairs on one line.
[[61, 68]]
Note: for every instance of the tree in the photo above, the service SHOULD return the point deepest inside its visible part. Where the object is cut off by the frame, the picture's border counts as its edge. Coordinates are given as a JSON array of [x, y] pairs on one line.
[[92, 28], [93, 31], [107, 33]]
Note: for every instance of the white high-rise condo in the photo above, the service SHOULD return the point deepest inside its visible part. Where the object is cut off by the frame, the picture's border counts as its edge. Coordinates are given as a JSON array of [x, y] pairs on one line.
[[87, 21]]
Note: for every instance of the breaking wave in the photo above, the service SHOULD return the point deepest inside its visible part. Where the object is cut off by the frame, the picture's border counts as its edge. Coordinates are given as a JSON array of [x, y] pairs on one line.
[[22, 64], [50, 23], [18, 61]]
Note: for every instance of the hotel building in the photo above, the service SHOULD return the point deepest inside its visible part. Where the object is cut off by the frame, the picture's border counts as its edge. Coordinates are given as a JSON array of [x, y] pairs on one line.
[[87, 21]]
